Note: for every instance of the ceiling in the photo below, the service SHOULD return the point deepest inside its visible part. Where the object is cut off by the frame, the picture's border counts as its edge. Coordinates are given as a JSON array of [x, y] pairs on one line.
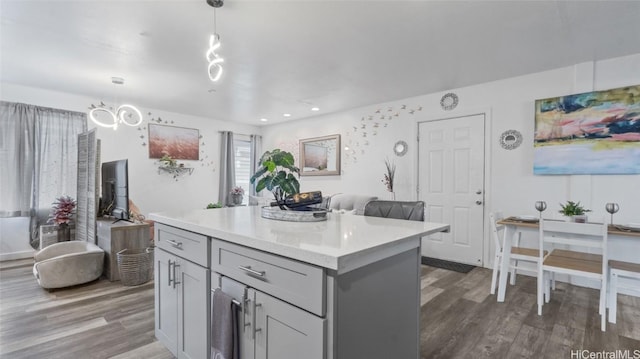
[[288, 56]]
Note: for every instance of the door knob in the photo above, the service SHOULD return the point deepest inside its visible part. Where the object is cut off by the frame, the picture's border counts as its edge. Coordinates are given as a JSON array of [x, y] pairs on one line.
[[479, 191], [478, 202]]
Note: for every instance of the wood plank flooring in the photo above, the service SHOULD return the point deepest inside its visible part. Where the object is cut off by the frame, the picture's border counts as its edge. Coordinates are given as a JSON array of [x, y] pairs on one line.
[[459, 319]]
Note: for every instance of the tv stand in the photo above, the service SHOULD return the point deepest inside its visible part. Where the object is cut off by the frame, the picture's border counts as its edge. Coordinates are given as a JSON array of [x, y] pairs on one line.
[[114, 237], [122, 219]]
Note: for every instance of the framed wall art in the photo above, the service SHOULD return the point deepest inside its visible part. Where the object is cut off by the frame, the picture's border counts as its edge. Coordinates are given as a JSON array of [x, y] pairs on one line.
[[177, 142], [589, 133], [320, 156]]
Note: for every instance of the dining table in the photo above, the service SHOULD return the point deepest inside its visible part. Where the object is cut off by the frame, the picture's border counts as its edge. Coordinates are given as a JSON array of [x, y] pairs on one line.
[[629, 235]]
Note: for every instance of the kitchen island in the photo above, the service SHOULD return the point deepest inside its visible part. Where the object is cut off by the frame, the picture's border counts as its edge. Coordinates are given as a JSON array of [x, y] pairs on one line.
[[348, 287]]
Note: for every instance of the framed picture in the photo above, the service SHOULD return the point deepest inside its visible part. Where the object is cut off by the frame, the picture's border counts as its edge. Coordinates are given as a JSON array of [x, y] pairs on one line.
[[177, 142], [589, 133], [320, 156]]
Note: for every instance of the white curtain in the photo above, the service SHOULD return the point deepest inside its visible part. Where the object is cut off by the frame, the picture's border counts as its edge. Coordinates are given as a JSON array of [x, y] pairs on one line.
[[256, 153], [227, 168], [38, 152]]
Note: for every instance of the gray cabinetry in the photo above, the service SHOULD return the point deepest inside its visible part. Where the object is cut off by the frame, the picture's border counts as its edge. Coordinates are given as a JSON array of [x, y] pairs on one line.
[[271, 328], [166, 301], [181, 293], [285, 331]]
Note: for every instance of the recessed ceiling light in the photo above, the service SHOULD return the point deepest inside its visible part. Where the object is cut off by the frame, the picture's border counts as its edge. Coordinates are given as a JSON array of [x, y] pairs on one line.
[[286, 114], [315, 109], [264, 120]]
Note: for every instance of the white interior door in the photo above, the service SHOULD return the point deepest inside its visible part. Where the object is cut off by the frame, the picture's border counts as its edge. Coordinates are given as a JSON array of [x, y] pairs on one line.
[[451, 183]]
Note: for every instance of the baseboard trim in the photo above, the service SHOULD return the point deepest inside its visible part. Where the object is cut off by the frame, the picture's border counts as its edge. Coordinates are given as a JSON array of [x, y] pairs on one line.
[[16, 255]]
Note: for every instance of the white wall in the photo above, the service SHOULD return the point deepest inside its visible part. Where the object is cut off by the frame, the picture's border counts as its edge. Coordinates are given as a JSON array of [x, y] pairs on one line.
[[151, 191], [509, 104]]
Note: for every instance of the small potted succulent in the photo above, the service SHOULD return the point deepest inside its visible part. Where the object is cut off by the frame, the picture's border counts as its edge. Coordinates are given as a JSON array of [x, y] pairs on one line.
[[574, 211], [236, 195]]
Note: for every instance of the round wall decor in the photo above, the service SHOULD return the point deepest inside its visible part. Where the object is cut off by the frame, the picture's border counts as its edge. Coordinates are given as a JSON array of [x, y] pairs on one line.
[[400, 148], [510, 139], [449, 101]]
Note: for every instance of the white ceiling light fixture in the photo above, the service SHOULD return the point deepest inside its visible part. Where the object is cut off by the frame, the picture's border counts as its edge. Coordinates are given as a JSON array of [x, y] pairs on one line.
[[123, 114], [215, 61], [315, 109]]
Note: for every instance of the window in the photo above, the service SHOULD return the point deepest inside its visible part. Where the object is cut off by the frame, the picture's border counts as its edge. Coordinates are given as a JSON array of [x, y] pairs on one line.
[[242, 153]]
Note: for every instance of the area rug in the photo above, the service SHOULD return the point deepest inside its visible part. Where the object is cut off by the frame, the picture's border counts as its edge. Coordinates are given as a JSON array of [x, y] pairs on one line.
[[440, 263]]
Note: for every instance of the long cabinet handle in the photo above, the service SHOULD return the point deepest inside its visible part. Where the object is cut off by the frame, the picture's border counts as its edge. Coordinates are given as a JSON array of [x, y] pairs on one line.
[[169, 272], [255, 323], [245, 302], [252, 271], [174, 243], [175, 280]]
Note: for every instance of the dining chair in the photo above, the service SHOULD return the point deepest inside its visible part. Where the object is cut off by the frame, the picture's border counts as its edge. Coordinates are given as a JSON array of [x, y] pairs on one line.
[[618, 269], [528, 255], [409, 210], [573, 262]]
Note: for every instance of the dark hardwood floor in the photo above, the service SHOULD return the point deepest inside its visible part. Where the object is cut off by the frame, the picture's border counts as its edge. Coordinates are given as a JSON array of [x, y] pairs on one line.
[[459, 319]]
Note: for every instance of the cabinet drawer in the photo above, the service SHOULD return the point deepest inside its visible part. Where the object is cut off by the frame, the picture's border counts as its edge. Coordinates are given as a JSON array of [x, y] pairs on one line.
[[185, 244], [298, 283]]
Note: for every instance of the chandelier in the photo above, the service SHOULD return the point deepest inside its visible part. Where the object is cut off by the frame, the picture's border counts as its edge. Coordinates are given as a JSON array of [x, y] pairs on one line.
[[215, 61], [123, 114]]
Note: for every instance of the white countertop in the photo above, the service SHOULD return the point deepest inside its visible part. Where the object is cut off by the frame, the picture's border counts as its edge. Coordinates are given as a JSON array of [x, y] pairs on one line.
[[342, 243]]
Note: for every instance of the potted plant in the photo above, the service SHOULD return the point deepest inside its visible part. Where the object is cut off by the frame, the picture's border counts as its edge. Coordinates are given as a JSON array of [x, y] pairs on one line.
[[61, 212], [277, 173], [236, 195], [388, 177], [574, 211], [214, 205], [168, 161]]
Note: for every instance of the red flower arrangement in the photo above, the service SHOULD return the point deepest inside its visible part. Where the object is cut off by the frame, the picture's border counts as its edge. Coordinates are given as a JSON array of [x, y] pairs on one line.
[[62, 210]]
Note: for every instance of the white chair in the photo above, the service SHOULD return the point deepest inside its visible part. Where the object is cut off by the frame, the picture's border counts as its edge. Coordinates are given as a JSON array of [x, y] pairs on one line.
[[619, 269], [518, 253], [68, 263], [571, 262]]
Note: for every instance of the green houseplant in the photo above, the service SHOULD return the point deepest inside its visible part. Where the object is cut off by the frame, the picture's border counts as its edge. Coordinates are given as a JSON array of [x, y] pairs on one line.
[[572, 209], [277, 173], [214, 205]]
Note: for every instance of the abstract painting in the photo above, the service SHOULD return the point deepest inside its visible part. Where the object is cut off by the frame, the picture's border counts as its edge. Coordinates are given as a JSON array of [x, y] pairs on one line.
[[589, 133], [177, 142], [320, 156]]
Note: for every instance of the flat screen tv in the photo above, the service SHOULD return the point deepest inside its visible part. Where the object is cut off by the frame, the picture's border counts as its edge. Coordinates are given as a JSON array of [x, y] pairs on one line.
[[115, 190]]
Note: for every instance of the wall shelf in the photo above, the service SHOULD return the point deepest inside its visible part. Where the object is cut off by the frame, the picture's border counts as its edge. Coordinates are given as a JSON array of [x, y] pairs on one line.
[[176, 171]]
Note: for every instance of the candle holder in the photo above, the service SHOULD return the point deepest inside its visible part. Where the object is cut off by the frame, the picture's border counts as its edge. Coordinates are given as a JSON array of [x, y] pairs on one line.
[[612, 208], [541, 206]]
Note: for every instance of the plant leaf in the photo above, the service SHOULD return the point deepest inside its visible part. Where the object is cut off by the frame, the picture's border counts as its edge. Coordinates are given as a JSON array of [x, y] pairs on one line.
[[261, 184], [271, 165], [258, 173]]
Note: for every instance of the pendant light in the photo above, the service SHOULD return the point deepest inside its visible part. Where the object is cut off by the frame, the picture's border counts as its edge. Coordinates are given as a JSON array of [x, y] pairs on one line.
[[215, 61], [123, 114]]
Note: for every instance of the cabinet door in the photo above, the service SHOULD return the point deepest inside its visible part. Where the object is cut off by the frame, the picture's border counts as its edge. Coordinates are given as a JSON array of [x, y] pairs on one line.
[[193, 310], [166, 301], [246, 296], [287, 332]]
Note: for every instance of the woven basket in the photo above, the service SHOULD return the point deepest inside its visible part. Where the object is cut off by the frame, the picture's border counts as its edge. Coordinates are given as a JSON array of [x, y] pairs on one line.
[[135, 265]]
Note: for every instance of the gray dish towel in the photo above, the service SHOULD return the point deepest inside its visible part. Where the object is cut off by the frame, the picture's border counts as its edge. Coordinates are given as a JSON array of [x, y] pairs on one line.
[[224, 327]]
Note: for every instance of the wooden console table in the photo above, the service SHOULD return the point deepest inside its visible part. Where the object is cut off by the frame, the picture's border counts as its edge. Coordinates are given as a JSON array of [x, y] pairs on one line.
[[114, 237]]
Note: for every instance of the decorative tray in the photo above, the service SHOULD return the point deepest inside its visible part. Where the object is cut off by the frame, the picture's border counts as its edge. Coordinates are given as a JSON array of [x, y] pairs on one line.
[[294, 216]]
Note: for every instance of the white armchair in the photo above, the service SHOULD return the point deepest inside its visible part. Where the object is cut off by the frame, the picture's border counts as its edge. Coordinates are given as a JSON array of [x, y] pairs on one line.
[[68, 263]]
